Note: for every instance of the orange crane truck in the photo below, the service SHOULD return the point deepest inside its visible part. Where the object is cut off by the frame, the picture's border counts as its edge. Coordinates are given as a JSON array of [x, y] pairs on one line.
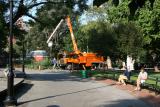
[[78, 59]]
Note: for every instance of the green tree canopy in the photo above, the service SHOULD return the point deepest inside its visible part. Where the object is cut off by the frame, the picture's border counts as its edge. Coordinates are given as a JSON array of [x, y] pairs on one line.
[[99, 37], [3, 30], [129, 39]]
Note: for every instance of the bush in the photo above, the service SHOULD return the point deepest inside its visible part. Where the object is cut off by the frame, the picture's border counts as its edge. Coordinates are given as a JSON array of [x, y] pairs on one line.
[[32, 64], [45, 63]]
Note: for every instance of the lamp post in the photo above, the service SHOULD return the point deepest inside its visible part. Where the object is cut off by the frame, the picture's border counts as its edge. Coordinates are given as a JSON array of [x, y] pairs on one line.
[[23, 56], [50, 44], [10, 100]]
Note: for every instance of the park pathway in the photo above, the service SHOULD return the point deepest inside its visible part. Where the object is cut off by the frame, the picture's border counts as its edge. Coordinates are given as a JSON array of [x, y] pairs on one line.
[[60, 89]]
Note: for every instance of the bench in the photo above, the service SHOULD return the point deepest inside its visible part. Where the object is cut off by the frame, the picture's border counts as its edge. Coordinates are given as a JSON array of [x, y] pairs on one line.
[[150, 83]]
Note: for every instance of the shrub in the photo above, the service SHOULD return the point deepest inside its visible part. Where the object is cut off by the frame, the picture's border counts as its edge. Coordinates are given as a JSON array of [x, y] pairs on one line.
[[32, 64]]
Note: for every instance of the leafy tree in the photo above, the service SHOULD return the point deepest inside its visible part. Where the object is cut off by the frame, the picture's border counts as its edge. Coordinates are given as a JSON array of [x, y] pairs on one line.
[[145, 19], [93, 14], [3, 30], [133, 5], [50, 15], [129, 40], [24, 8], [148, 20], [99, 37], [118, 13]]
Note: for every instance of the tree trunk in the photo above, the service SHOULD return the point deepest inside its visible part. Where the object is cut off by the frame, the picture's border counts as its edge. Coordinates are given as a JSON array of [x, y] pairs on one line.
[[156, 68]]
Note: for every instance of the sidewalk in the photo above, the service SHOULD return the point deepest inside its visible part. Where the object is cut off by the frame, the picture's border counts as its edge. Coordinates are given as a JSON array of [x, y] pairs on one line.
[[3, 82], [145, 95]]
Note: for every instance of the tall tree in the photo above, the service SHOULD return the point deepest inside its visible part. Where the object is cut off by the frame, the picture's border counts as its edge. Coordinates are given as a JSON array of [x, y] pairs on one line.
[[133, 5], [99, 37], [3, 30], [129, 39], [50, 15], [26, 7], [149, 21]]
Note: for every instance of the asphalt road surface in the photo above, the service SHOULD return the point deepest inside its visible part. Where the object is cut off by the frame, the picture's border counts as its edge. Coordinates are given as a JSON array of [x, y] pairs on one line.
[[60, 89]]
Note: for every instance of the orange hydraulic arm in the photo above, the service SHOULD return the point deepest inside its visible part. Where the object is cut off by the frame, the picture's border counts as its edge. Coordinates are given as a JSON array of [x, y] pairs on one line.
[[72, 35]]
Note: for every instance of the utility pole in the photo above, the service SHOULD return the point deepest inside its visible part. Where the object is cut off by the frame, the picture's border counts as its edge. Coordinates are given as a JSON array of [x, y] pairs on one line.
[[10, 100], [23, 56]]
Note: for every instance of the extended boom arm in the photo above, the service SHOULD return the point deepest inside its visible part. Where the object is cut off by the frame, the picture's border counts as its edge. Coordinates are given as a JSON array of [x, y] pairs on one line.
[[55, 30], [72, 35]]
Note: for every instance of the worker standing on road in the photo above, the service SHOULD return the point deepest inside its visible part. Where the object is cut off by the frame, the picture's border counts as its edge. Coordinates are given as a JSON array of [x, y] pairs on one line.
[[54, 63]]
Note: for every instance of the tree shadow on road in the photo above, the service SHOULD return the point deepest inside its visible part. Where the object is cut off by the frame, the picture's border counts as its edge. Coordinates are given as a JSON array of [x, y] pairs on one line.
[[53, 106], [18, 92], [54, 77], [22, 89], [148, 101], [124, 103], [32, 100], [132, 102]]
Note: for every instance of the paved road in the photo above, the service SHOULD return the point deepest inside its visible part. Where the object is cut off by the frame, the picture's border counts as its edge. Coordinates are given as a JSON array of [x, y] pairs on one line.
[[59, 89]]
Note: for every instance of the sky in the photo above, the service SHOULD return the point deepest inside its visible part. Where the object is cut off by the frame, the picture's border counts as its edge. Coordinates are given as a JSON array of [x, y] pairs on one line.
[[32, 12]]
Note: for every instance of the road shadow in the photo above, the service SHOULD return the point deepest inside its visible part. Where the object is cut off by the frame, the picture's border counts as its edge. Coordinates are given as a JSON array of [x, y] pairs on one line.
[[124, 103], [153, 101], [23, 88], [63, 94], [53, 106], [149, 101], [19, 91], [141, 102], [2, 97], [54, 77]]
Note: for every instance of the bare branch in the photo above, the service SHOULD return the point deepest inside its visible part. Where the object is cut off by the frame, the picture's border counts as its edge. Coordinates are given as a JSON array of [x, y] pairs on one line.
[[21, 2], [49, 2], [29, 15], [21, 11]]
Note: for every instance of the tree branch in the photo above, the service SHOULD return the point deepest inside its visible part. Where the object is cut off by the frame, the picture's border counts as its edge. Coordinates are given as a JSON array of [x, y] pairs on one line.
[[29, 15], [21, 11], [21, 2], [49, 2]]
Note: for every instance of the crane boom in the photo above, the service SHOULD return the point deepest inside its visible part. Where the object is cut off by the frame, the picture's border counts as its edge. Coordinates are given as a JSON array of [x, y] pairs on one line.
[[72, 35], [78, 59], [55, 30]]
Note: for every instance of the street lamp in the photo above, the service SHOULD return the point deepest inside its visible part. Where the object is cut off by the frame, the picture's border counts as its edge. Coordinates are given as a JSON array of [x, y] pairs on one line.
[[23, 56], [10, 100], [50, 44]]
